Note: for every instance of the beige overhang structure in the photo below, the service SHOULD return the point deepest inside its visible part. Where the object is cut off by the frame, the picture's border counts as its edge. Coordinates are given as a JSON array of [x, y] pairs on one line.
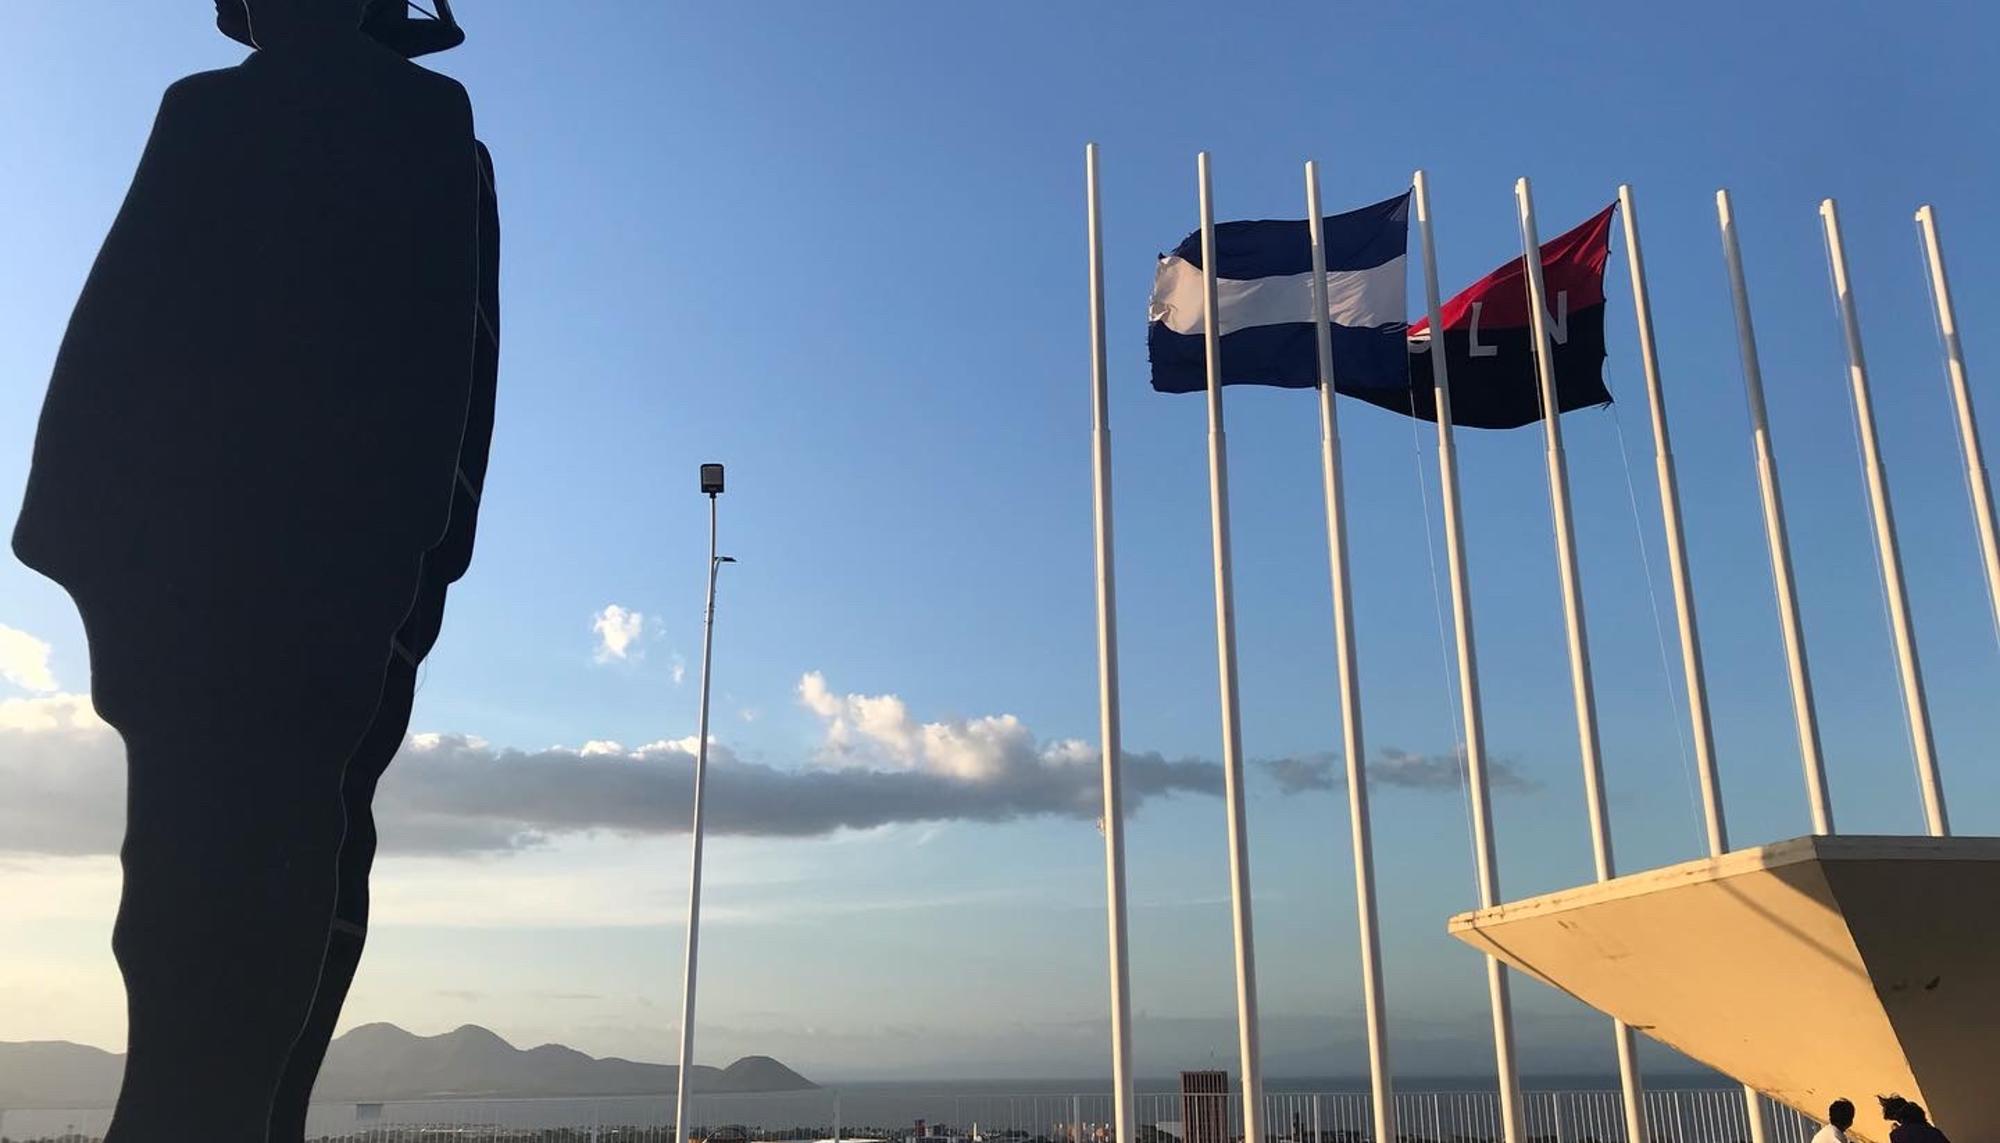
[[1812, 969]]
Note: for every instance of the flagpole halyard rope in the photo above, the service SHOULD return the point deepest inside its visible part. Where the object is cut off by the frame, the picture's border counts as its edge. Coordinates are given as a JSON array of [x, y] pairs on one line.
[[1668, 694], [1458, 748], [1887, 562], [1966, 464], [1374, 1004], [1881, 584], [1569, 578], [1485, 862], [1777, 539]]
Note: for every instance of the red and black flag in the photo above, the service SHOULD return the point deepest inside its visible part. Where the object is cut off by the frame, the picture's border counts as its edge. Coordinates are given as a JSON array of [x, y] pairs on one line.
[[1489, 343]]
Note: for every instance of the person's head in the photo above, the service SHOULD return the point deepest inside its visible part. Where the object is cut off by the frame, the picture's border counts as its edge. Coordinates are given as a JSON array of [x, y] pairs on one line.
[[1900, 1111], [1840, 1113]]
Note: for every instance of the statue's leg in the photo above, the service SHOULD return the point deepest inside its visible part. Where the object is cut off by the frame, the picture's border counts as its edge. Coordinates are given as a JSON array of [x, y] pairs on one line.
[[348, 934], [239, 715], [349, 931]]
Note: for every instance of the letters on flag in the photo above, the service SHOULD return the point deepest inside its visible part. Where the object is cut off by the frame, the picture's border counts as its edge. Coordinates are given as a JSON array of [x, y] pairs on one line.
[[1265, 310], [1488, 341]]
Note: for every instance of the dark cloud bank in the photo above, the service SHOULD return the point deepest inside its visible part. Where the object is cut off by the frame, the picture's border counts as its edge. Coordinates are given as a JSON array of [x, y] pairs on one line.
[[61, 789]]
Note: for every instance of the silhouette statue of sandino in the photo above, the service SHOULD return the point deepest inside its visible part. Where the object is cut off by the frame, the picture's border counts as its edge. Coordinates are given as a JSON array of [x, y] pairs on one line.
[[257, 471]]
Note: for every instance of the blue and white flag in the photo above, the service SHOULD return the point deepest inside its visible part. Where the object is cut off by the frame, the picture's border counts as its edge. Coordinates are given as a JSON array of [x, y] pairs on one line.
[[1263, 294]]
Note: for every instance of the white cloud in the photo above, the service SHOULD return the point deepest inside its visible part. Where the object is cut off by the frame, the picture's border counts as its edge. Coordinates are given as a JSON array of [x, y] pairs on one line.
[[70, 715], [877, 732], [816, 697], [866, 730], [618, 632], [681, 745], [24, 661], [427, 739], [680, 669]]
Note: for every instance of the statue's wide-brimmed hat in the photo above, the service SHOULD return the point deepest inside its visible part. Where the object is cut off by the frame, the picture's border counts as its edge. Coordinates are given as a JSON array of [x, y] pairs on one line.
[[389, 22]]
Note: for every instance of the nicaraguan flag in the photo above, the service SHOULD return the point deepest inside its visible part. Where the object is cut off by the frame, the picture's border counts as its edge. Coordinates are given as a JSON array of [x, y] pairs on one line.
[[1263, 295]]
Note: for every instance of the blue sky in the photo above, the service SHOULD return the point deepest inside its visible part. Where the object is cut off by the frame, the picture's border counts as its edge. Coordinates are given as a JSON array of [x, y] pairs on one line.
[[841, 248]]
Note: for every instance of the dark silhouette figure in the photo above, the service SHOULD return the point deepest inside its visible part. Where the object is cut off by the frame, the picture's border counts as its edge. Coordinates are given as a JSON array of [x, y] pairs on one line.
[[256, 471], [1911, 1126]]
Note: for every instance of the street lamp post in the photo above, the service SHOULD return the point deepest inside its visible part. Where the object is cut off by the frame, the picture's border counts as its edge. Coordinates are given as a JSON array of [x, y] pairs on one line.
[[711, 484]]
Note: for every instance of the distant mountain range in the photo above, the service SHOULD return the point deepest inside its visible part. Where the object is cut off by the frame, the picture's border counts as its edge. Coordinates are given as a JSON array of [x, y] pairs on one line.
[[377, 1062]]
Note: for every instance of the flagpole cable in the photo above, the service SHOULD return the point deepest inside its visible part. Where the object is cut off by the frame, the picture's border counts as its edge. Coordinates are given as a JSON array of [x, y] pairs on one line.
[[1972, 473], [1667, 682], [1110, 750], [1777, 538], [1694, 678], [1972, 458], [1241, 929], [1485, 859], [1667, 692], [1445, 657], [1916, 707], [1560, 524], [1875, 546], [1967, 465], [1374, 1001], [1589, 744], [1707, 810]]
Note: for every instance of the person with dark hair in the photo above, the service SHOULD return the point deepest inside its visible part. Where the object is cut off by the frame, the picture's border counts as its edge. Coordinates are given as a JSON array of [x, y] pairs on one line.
[[1839, 1117], [1911, 1126]]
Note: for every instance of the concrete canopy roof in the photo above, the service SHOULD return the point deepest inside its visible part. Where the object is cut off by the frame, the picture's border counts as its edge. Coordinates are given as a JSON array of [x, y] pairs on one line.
[[1812, 969]]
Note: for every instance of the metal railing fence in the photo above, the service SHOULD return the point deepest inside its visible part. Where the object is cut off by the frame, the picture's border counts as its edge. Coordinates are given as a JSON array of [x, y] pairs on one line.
[[1671, 1116]]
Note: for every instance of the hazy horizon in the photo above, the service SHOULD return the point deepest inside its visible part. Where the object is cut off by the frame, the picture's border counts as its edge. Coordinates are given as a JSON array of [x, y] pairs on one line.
[[1163, 1082]]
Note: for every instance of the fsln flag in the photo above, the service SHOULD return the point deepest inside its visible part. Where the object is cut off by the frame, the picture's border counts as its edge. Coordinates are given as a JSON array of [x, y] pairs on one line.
[[1263, 296], [1488, 341]]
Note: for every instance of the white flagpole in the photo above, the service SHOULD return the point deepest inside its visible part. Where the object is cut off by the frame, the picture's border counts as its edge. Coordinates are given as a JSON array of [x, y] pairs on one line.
[[1677, 566], [1677, 563], [1350, 681], [694, 866], [1225, 650], [1579, 645], [1915, 708], [1497, 989], [1107, 675], [1776, 539], [1961, 401]]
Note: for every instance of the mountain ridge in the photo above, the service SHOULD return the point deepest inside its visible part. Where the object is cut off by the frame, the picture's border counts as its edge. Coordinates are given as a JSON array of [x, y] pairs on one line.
[[381, 1062]]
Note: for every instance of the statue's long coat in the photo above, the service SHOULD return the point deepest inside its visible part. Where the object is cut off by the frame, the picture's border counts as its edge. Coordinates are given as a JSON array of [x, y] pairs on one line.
[[260, 398]]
